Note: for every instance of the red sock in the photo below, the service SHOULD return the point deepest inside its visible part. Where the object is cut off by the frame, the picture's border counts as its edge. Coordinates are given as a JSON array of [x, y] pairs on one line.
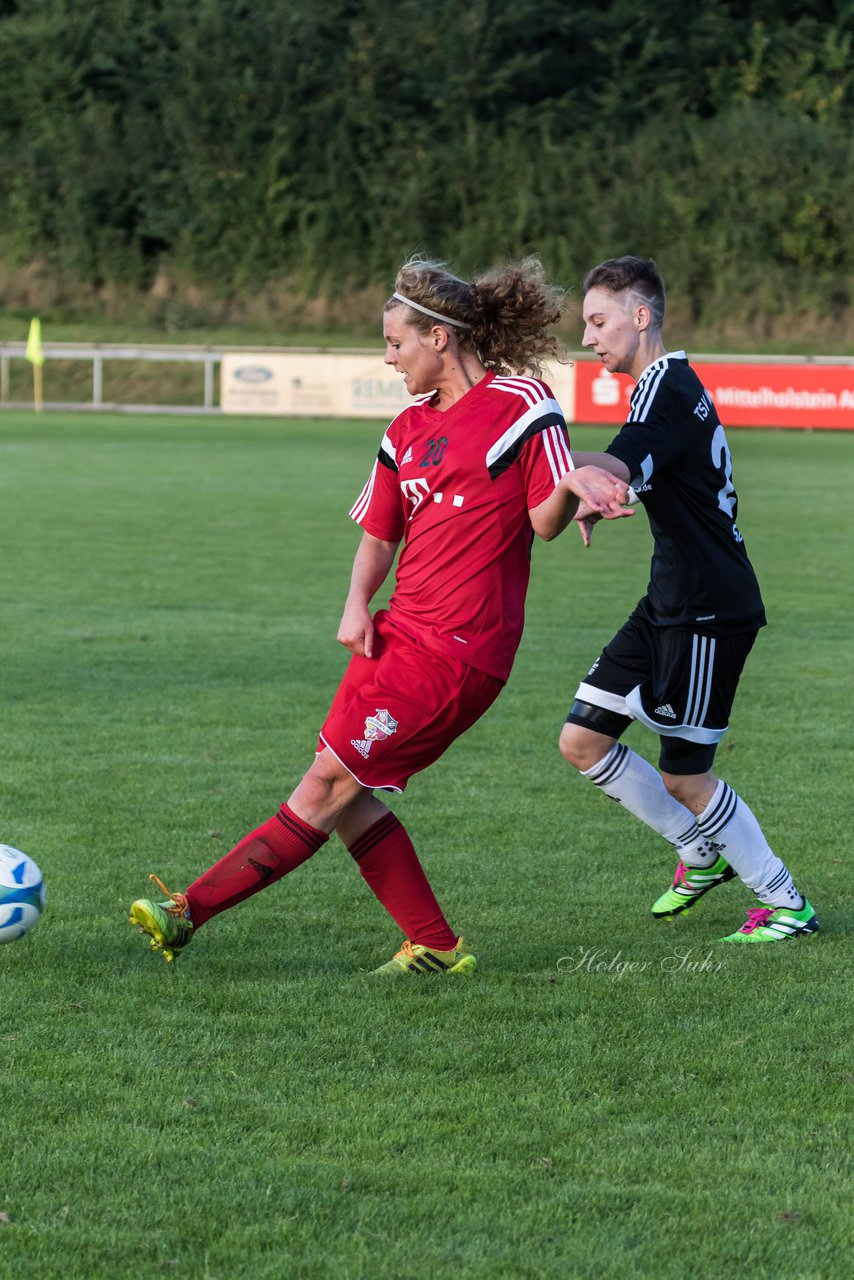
[[264, 856], [388, 862]]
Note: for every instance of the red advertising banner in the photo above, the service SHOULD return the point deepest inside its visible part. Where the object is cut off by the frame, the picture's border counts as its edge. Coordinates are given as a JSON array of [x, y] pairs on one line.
[[745, 395]]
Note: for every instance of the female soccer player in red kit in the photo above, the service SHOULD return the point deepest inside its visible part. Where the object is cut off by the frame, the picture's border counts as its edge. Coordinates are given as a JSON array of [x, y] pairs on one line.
[[464, 477]]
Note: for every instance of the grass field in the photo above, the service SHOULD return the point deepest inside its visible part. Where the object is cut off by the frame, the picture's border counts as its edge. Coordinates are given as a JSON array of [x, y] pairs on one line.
[[609, 1096]]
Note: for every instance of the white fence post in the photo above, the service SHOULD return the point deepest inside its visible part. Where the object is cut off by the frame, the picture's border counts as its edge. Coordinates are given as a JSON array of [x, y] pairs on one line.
[[209, 380]]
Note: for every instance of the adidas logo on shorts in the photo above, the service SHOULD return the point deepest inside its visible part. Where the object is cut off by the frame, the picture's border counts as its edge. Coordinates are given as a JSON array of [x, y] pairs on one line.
[[666, 710], [361, 746]]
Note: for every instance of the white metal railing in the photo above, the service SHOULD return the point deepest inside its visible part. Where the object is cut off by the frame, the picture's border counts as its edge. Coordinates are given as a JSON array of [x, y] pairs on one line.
[[210, 358], [96, 352]]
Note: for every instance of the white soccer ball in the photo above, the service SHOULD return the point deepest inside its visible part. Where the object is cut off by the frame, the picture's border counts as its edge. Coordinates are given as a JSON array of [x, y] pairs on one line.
[[21, 894]]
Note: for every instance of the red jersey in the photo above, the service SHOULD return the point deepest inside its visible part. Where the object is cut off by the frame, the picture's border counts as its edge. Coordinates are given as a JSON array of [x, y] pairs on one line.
[[456, 487]]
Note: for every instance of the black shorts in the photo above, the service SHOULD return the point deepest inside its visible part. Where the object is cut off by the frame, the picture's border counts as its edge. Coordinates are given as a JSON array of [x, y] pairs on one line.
[[680, 683]]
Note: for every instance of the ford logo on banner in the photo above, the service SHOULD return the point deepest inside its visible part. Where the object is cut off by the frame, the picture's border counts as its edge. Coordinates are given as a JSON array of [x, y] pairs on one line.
[[253, 373]]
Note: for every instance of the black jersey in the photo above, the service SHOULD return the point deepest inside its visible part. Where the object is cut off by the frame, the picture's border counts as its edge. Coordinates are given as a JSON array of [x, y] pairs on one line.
[[677, 453]]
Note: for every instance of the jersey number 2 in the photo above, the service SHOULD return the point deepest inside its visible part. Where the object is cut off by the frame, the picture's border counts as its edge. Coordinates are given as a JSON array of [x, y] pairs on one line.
[[722, 460]]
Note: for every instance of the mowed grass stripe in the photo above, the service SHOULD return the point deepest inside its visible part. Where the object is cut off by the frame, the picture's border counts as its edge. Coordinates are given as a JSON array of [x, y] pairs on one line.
[[609, 1096]]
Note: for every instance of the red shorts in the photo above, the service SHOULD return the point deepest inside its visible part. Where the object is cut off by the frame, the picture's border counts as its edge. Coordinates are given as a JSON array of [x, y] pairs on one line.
[[400, 710]]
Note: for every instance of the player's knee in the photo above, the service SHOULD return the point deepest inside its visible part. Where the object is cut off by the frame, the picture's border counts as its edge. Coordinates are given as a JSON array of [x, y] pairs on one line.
[[581, 748], [571, 744], [693, 790], [686, 771], [676, 786], [589, 734], [326, 789]]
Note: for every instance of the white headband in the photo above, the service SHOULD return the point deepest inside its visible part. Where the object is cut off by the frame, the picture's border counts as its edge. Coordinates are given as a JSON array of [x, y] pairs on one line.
[[458, 324]]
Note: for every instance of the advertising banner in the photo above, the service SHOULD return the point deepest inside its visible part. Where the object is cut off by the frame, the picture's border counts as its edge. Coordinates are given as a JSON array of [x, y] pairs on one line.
[[332, 385], [310, 384], [746, 395]]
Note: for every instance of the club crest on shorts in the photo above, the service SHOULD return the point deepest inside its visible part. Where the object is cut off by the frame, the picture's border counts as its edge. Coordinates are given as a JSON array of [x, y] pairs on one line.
[[378, 727]]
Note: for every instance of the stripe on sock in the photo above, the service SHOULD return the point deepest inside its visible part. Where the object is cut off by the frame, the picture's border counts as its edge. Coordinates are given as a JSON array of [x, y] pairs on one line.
[[609, 769], [777, 881], [310, 836], [374, 834], [688, 836], [714, 820]]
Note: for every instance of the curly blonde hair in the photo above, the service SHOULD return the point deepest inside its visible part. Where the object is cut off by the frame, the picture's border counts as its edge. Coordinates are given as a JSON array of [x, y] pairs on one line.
[[506, 313]]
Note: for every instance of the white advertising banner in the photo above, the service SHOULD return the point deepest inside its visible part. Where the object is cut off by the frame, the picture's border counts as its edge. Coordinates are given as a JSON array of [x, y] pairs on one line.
[[332, 384]]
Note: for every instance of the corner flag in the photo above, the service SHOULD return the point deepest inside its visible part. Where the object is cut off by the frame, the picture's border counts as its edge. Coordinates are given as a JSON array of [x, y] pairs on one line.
[[35, 355]]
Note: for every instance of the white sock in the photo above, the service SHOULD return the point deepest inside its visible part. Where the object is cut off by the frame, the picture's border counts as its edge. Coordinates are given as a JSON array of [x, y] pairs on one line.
[[731, 826], [638, 787]]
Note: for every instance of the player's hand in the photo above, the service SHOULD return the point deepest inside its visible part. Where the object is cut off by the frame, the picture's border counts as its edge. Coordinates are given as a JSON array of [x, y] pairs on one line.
[[586, 518], [356, 629], [600, 492], [601, 496]]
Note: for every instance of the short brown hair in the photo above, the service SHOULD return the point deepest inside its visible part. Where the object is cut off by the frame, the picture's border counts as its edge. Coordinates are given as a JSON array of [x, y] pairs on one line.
[[638, 275]]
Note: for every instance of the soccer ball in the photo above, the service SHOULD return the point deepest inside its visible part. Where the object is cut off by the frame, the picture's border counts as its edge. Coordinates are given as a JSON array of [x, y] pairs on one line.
[[21, 894]]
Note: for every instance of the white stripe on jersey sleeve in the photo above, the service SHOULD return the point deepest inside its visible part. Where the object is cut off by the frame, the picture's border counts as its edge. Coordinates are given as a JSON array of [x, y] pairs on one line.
[[386, 446], [557, 452], [360, 506], [545, 407], [531, 390]]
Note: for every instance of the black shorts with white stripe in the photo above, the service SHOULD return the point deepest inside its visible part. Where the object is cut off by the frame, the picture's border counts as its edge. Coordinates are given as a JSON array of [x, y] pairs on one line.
[[680, 683]]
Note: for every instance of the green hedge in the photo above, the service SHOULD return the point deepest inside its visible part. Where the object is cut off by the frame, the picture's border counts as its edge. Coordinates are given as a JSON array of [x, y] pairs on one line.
[[319, 141]]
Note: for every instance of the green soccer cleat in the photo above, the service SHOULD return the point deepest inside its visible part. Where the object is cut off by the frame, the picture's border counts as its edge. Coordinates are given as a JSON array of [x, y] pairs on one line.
[[413, 958], [167, 924], [775, 924], [689, 884]]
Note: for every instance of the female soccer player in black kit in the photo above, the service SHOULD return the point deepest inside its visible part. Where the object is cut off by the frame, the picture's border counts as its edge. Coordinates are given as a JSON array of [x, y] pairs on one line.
[[675, 664]]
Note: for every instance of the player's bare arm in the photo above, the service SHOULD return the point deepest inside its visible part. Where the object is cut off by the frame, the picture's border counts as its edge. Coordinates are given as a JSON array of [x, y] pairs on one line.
[[590, 488], [604, 461], [371, 567], [586, 515]]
